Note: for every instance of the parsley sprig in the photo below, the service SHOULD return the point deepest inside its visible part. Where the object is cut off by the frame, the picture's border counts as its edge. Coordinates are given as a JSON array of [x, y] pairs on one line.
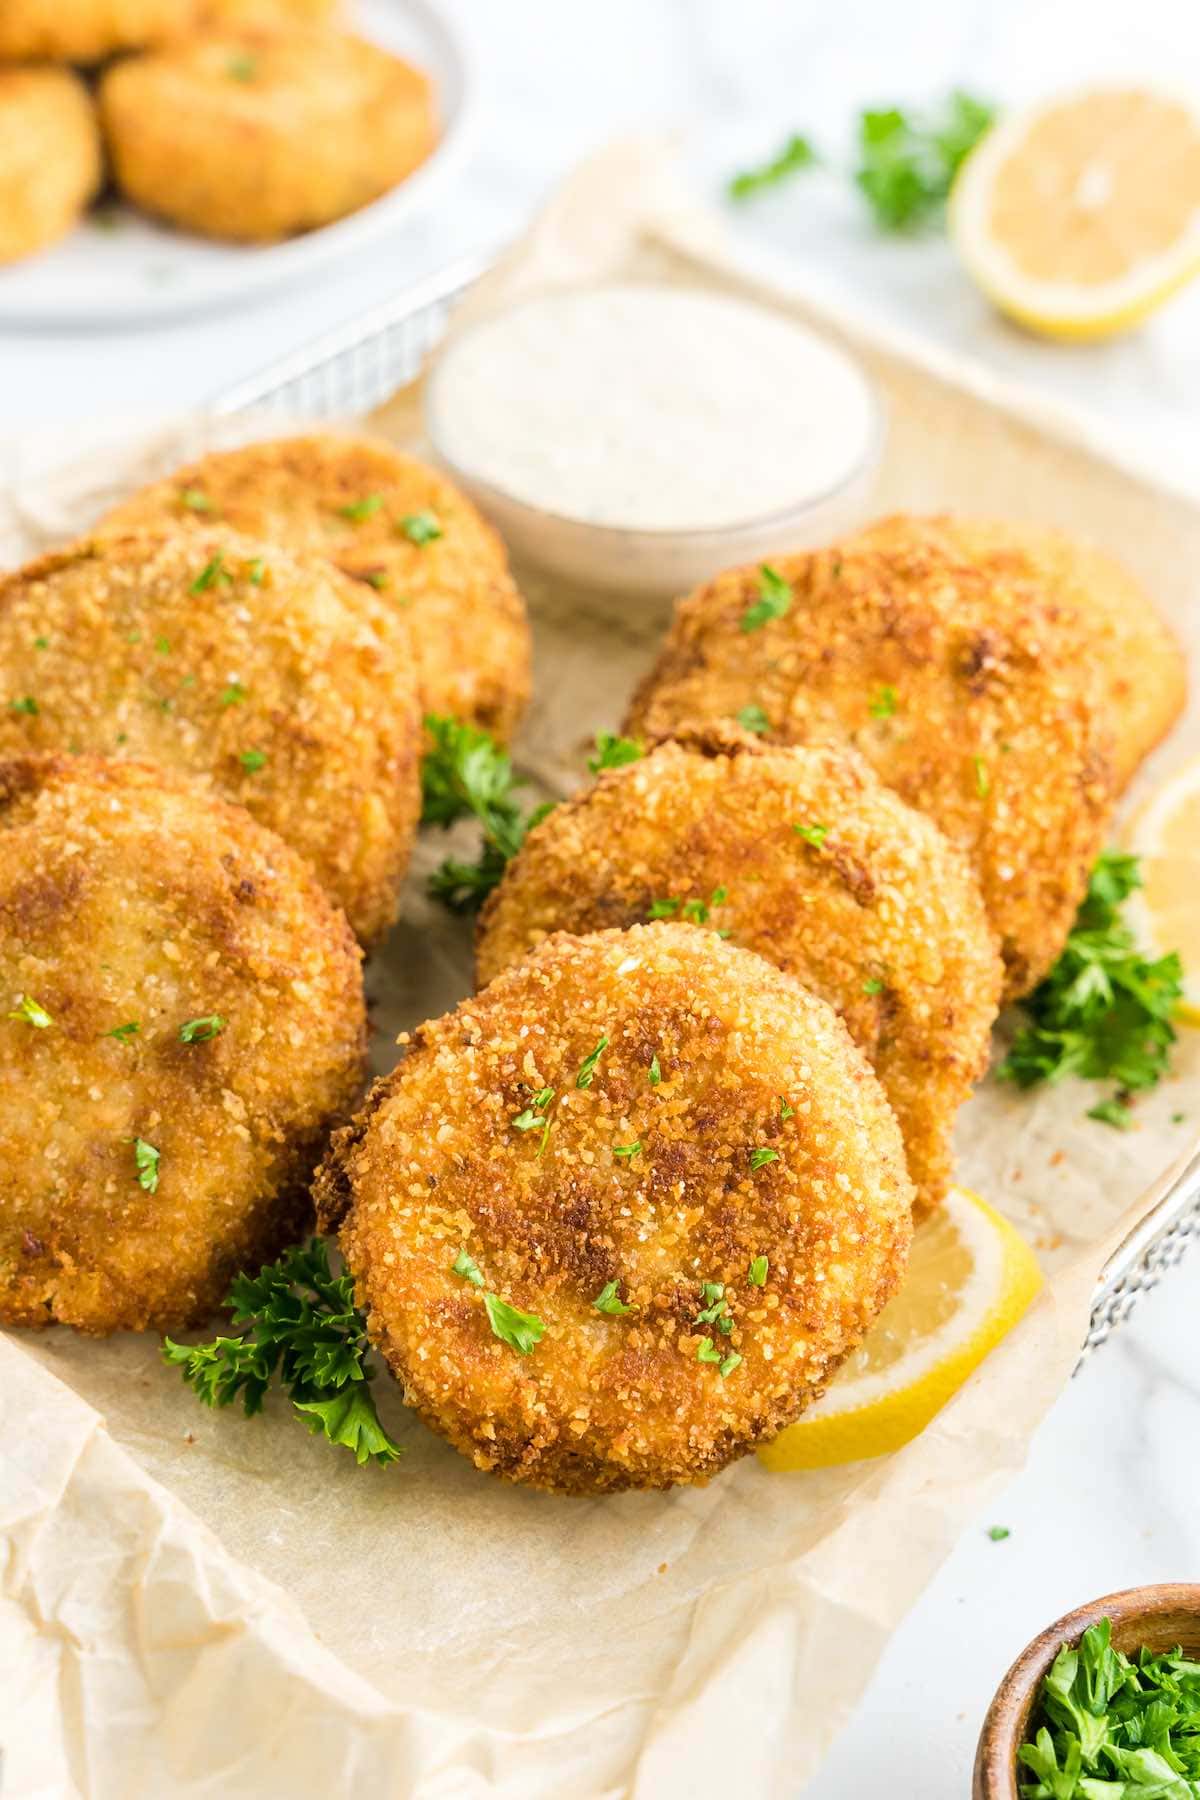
[[303, 1331], [1104, 1011], [1107, 1724], [465, 774], [796, 154]]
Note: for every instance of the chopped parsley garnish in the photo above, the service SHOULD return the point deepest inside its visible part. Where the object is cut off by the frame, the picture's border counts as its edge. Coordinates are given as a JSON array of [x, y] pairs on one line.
[[163, 646], [983, 780], [301, 1328], [655, 1071], [123, 1033], [467, 1269], [537, 1114], [627, 1151], [609, 1301], [614, 752], [195, 500], [253, 760], [696, 912], [213, 571], [753, 718], [763, 1155], [758, 1271], [520, 1330], [25, 705], [726, 1362], [256, 568], [786, 1111], [1104, 1012], [358, 510], [201, 1031], [774, 599], [1105, 1725], [587, 1068], [715, 1310], [421, 527], [41, 643], [907, 162], [1113, 1111], [242, 68], [998, 1533], [146, 1159], [28, 1012], [872, 985], [812, 834], [376, 578], [466, 774], [233, 695], [796, 154], [884, 703]]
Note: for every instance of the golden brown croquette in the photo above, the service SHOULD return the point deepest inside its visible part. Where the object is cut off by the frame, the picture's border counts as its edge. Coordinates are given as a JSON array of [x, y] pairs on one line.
[[1142, 660], [291, 688], [49, 157], [225, 13], [254, 134], [181, 1021], [87, 31], [804, 856], [968, 693], [675, 1165], [390, 521]]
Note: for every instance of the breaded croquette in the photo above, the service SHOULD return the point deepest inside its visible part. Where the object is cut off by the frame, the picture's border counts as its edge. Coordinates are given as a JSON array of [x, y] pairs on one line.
[[972, 696], [290, 687], [620, 1217], [254, 134], [804, 856], [87, 31], [49, 157], [389, 521], [181, 1022], [1142, 660]]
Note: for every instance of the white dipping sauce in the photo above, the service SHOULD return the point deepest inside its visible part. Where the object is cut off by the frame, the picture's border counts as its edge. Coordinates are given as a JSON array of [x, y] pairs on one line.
[[653, 409]]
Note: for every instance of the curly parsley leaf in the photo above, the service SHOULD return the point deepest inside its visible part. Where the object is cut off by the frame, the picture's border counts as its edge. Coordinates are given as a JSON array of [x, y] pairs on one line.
[[907, 162], [613, 752], [609, 1301], [146, 1160], [1104, 1012], [301, 1330], [520, 1330], [774, 599]]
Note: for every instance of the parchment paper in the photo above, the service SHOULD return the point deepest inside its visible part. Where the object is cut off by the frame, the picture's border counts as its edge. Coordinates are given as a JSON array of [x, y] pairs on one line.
[[197, 1605]]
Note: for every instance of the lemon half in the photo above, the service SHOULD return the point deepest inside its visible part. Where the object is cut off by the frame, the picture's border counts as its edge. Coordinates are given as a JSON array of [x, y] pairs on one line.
[[1164, 911], [970, 1278], [1080, 216]]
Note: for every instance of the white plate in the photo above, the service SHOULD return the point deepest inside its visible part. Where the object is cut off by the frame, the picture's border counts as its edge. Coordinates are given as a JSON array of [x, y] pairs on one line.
[[130, 268]]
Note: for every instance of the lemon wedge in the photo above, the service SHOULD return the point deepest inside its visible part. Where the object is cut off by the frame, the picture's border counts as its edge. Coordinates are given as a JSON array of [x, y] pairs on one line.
[[1165, 834], [1080, 216], [970, 1278]]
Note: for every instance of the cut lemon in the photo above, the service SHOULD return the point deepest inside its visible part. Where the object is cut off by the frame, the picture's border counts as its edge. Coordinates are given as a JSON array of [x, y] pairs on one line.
[[1080, 216], [1164, 912], [970, 1278]]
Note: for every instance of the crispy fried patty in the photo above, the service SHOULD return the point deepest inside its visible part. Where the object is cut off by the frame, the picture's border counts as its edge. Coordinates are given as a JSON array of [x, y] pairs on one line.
[[627, 1120], [86, 31], [391, 522], [255, 133], [181, 1021], [1141, 658], [289, 686], [969, 693], [49, 157], [803, 855]]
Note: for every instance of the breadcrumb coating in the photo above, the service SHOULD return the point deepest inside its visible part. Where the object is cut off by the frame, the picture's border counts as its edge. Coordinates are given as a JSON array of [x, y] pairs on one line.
[[87, 31], [972, 696], [704, 1112], [291, 688], [1143, 661], [50, 160], [181, 1022], [348, 498], [256, 132], [802, 855]]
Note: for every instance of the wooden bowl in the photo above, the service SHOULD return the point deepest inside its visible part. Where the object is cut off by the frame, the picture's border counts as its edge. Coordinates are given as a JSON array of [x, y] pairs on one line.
[[1156, 1617]]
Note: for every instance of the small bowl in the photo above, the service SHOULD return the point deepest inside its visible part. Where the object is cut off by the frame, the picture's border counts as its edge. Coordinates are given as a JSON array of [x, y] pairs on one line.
[[1157, 1618]]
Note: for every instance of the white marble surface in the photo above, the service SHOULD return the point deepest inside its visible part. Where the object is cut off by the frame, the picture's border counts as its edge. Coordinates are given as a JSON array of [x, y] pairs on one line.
[[1108, 1497]]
